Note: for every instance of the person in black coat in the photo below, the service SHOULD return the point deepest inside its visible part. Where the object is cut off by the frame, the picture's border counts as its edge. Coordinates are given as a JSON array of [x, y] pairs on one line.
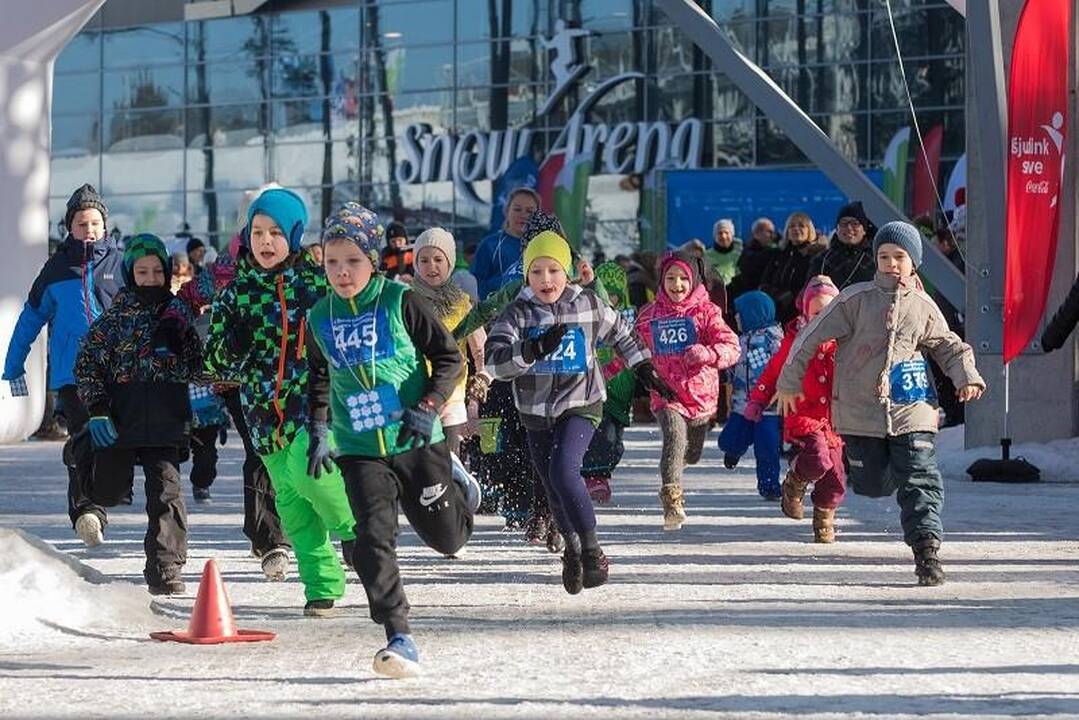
[[785, 276], [1063, 322], [849, 257], [757, 255]]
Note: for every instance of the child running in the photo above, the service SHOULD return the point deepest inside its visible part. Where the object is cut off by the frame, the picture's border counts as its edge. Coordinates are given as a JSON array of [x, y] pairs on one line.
[[818, 456], [882, 388], [690, 344], [371, 344], [257, 329], [760, 340], [545, 341], [132, 372]]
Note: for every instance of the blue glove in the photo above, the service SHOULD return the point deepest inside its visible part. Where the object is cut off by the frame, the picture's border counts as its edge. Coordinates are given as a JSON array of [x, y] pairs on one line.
[[319, 453], [102, 432], [18, 387], [418, 423]]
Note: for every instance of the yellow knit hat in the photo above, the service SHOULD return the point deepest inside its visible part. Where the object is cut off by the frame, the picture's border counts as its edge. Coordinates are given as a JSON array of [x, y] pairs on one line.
[[550, 245]]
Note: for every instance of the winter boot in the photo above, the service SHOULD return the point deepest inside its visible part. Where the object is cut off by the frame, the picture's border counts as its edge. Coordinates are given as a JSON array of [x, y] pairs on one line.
[[794, 492], [926, 564], [730, 461], [322, 607], [599, 488], [596, 568], [572, 568], [536, 528], [399, 659], [674, 510], [553, 540], [347, 548], [202, 495], [88, 528], [823, 524], [275, 564], [167, 586]]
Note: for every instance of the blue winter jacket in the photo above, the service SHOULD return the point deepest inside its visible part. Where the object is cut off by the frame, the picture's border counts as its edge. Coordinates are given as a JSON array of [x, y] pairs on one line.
[[70, 298], [497, 262]]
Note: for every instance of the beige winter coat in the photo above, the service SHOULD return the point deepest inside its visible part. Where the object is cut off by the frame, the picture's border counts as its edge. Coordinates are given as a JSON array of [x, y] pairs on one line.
[[877, 325]]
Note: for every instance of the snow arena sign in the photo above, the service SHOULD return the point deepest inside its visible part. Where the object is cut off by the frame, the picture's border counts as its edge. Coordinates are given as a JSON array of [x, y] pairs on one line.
[[627, 147]]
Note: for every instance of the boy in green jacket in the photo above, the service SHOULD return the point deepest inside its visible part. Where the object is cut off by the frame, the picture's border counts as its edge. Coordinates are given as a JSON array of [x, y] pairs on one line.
[[257, 330], [370, 344]]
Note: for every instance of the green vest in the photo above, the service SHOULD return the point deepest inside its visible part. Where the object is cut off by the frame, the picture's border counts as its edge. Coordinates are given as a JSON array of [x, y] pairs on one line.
[[373, 367]]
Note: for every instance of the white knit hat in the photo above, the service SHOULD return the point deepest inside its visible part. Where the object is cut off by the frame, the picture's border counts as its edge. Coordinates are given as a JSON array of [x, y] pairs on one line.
[[440, 238]]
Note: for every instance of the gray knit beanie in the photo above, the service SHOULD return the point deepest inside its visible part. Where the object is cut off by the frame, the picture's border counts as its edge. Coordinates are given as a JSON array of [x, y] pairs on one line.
[[902, 234]]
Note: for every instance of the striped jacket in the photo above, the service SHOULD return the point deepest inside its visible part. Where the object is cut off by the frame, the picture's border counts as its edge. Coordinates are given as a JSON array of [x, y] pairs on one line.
[[570, 379]]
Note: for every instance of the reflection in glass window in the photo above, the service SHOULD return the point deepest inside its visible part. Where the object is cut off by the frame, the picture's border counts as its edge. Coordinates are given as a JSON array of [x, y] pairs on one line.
[[238, 38], [143, 130], [525, 63], [311, 120], [68, 172], [226, 125], [78, 94], [774, 147], [433, 108], [227, 82], [317, 31], [495, 108], [160, 213], [674, 52], [417, 23], [733, 143], [946, 38], [212, 216], [126, 172], [510, 19], [75, 134], [311, 165], [159, 44], [409, 68], [82, 53], [614, 53], [933, 83], [144, 88], [240, 167], [734, 10], [743, 35], [601, 15], [728, 101]]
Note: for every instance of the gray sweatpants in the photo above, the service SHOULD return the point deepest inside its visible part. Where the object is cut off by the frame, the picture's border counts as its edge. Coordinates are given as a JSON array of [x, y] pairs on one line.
[[683, 443]]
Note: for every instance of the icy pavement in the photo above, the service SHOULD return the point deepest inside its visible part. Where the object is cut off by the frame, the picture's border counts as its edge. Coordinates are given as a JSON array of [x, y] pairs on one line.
[[738, 615]]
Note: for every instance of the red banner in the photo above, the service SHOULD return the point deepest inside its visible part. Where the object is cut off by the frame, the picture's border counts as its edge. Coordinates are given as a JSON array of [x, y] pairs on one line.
[[924, 193], [1037, 128]]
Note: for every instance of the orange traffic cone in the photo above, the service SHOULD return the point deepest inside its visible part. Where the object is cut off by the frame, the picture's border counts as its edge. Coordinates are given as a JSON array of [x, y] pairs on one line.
[[211, 618]]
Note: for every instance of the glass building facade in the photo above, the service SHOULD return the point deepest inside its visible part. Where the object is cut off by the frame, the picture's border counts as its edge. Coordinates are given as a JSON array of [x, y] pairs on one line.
[[174, 120]]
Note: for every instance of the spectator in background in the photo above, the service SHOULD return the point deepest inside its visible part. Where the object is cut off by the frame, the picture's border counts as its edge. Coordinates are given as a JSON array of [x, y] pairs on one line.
[[785, 276], [196, 252], [725, 252], [756, 257], [397, 257], [849, 258], [314, 251], [498, 258], [461, 274], [181, 270], [642, 278]]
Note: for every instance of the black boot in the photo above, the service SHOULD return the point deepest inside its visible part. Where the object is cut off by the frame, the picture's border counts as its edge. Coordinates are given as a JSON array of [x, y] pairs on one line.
[[926, 564], [572, 570], [347, 548], [596, 567]]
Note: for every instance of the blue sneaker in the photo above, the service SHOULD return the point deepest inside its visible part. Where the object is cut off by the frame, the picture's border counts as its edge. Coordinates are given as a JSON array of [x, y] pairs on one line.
[[399, 659], [470, 487]]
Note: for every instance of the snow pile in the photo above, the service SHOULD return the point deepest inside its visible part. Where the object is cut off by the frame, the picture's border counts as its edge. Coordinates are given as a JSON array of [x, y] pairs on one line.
[[1058, 459], [46, 596]]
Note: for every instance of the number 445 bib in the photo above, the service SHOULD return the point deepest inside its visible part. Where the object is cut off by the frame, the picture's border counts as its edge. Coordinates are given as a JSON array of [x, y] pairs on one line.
[[569, 358]]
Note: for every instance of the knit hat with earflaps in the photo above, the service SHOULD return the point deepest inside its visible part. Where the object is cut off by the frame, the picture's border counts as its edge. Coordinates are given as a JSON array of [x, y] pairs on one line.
[[145, 245], [357, 224], [85, 198], [286, 209]]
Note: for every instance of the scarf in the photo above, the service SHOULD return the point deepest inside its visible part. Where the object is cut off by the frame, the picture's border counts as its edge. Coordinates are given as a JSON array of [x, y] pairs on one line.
[[444, 298]]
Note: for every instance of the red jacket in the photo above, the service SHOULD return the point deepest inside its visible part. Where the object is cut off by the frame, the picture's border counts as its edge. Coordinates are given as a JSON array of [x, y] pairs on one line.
[[814, 413]]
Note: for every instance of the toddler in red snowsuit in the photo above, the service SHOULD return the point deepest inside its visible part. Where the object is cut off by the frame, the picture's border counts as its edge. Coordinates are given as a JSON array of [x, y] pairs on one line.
[[819, 450]]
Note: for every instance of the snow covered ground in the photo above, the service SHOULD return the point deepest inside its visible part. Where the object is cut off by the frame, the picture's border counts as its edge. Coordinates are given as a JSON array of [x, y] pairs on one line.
[[739, 615]]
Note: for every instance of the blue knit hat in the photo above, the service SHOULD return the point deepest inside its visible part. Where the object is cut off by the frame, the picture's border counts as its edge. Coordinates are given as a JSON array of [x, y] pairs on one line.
[[755, 310], [357, 224], [902, 234], [286, 209], [140, 246]]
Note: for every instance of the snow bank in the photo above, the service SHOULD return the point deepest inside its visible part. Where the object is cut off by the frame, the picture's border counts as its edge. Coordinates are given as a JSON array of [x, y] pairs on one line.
[[1058, 459], [48, 596]]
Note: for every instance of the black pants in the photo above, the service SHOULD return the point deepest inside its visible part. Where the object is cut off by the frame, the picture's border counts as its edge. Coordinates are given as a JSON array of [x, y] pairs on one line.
[[165, 543], [905, 465], [78, 457], [262, 526], [204, 456], [505, 469], [433, 503]]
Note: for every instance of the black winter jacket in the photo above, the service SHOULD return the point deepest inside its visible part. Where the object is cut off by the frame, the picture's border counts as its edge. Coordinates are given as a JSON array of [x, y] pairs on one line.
[[845, 264], [1063, 322]]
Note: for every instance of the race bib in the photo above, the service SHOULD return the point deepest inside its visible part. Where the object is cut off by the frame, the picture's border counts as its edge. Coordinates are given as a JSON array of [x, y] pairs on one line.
[[373, 409], [672, 336], [569, 358], [361, 339], [910, 383]]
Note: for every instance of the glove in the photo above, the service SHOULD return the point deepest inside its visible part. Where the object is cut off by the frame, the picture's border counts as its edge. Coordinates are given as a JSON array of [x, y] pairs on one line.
[[319, 453], [647, 377], [18, 386], [102, 432], [169, 336], [753, 412], [223, 436], [540, 347], [477, 387], [698, 356], [238, 338], [418, 423]]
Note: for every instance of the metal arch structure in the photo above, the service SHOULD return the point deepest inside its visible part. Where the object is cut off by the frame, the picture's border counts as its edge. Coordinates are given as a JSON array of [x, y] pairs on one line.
[[30, 41], [763, 92]]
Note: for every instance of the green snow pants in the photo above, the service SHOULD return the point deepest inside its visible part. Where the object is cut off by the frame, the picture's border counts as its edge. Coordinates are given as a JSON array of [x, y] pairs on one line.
[[310, 510]]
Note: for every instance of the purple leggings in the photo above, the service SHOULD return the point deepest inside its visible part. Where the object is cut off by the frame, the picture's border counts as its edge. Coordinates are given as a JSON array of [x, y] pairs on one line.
[[557, 454], [823, 466]]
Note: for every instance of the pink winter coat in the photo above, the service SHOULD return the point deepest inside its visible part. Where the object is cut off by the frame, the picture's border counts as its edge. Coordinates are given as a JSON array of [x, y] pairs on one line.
[[690, 344]]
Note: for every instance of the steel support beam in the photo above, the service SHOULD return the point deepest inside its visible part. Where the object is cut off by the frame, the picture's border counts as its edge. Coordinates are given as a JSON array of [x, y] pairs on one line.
[[763, 92]]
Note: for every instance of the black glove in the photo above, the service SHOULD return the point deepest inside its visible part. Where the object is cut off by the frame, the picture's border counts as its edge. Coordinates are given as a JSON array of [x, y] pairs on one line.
[[238, 338], [169, 336], [418, 423], [540, 347], [319, 453], [647, 377], [223, 435]]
